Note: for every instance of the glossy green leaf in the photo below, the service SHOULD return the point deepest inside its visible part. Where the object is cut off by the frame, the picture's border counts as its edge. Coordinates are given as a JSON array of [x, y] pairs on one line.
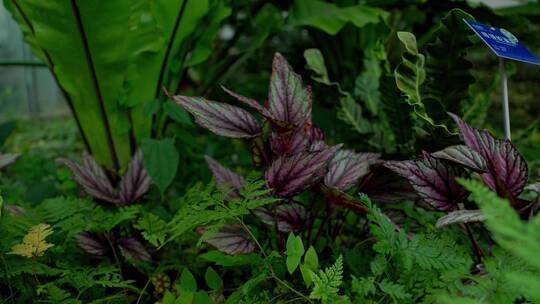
[[315, 62], [212, 278], [295, 251], [187, 282], [161, 161]]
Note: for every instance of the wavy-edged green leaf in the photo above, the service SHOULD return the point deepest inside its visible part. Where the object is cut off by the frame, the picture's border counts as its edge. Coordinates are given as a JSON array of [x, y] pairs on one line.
[[331, 18]]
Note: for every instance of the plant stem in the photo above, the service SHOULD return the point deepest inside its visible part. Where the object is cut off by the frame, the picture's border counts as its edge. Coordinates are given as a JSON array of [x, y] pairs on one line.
[[7, 278], [143, 291], [115, 256], [272, 272], [478, 253]]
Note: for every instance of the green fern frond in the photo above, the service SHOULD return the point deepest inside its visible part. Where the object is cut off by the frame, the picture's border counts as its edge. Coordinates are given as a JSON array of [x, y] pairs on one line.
[[326, 283]]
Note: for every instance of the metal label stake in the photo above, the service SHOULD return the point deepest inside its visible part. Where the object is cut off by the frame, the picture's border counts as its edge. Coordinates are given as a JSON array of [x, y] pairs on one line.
[[505, 45], [505, 104]]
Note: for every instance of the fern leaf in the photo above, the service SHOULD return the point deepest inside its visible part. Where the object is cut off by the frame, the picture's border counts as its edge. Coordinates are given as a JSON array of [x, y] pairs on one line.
[[34, 243], [326, 283]]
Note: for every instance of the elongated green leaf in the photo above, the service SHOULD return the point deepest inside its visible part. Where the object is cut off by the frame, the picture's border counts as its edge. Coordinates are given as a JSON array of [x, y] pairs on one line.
[[113, 57]]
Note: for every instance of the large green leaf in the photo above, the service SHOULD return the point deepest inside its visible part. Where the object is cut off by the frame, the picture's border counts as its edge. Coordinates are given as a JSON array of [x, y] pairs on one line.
[[331, 18], [112, 58]]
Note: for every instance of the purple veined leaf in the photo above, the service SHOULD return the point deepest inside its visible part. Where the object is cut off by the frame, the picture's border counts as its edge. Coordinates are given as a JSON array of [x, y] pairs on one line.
[[136, 181], [288, 99], [133, 248], [460, 216], [318, 146], [288, 175], [92, 244], [339, 198], [220, 118], [347, 167], [250, 102], [91, 177], [315, 134], [433, 179], [291, 217], [291, 142], [383, 185], [15, 210], [506, 167], [232, 239], [533, 187], [463, 155], [7, 159], [226, 179], [260, 152]]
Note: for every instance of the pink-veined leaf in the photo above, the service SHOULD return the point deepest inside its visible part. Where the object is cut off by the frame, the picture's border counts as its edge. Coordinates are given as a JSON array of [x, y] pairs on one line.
[[383, 185], [291, 142], [506, 167], [463, 155], [220, 118], [226, 179], [133, 248], [91, 177], [92, 244], [15, 210], [291, 217], [288, 175], [347, 167], [136, 181], [7, 159], [433, 179], [533, 187], [232, 239], [250, 102], [289, 101], [460, 216]]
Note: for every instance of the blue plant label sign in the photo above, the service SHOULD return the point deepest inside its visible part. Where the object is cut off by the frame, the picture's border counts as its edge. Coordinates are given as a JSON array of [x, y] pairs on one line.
[[502, 42]]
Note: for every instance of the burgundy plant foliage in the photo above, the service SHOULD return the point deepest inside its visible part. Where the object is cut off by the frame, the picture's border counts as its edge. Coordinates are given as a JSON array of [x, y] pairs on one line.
[[291, 151]]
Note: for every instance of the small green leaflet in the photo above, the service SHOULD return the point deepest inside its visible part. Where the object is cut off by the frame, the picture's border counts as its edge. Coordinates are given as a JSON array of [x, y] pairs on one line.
[[295, 251]]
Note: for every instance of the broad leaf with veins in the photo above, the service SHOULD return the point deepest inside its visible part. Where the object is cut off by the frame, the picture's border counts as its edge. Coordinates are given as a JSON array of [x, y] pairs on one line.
[[347, 167], [506, 168], [290, 217], [288, 99], [463, 155], [385, 186], [289, 175], [433, 179], [226, 179], [91, 177], [135, 182], [220, 118], [250, 102], [232, 239]]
